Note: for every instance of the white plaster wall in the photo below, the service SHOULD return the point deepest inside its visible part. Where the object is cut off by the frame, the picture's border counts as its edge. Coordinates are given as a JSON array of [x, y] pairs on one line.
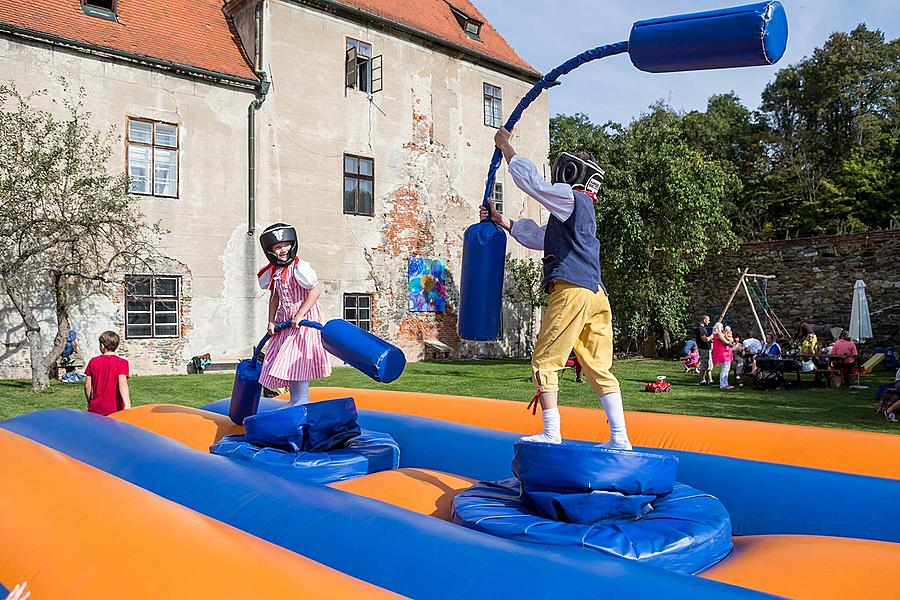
[[207, 222], [426, 133]]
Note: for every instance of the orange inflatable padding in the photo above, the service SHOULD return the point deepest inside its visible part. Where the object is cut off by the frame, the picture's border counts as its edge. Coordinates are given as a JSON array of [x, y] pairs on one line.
[[420, 490], [859, 452], [193, 427], [809, 566], [73, 531]]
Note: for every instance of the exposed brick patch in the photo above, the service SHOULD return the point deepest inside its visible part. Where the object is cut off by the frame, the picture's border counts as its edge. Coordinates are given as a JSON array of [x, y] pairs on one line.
[[408, 226]]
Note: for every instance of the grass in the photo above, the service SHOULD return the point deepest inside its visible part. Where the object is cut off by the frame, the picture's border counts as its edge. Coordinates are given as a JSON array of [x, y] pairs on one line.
[[509, 379]]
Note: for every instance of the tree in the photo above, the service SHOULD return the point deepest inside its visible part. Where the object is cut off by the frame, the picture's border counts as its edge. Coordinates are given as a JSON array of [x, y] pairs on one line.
[[728, 133], [66, 223], [832, 122], [523, 287], [660, 214]]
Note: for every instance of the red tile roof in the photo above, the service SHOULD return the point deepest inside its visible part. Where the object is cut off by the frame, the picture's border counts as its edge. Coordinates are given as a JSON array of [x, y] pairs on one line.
[[434, 17], [193, 33]]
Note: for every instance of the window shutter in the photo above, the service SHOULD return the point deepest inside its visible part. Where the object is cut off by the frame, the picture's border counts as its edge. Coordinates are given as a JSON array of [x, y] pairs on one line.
[[350, 68], [377, 78]]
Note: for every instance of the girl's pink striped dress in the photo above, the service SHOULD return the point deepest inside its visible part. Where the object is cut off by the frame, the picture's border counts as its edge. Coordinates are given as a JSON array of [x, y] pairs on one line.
[[293, 354]]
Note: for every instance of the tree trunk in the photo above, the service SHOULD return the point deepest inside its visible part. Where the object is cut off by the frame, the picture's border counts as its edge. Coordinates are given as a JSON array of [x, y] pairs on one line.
[[40, 361], [39, 379]]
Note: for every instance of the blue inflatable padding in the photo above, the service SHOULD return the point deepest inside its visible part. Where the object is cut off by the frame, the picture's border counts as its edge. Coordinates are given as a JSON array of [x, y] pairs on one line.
[[586, 467], [586, 507], [313, 427], [687, 531], [369, 452], [409, 553], [481, 282], [762, 498], [246, 390], [362, 350], [3, 591], [742, 36]]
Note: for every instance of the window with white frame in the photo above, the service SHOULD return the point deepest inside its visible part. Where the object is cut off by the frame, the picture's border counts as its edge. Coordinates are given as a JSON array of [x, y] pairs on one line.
[[358, 310], [152, 306], [497, 196], [362, 71], [152, 155], [493, 106]]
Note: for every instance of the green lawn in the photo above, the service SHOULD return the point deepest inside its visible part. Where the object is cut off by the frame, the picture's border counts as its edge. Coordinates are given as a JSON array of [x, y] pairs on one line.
[[509, 379]]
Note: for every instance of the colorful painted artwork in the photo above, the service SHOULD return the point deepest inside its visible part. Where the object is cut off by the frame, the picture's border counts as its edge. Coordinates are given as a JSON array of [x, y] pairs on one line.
[[426, 285]]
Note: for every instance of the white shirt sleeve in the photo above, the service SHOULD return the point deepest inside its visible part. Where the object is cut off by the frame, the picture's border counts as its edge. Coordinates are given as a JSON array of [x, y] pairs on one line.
[[558, 198], [528, 233], [305, 275]]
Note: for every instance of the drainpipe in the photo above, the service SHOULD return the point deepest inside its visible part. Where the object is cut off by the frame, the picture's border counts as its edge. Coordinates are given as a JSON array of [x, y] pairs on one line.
[[251, 120]]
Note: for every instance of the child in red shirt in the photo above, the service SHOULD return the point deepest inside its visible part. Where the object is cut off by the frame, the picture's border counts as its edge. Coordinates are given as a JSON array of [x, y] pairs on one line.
[[106, 386]]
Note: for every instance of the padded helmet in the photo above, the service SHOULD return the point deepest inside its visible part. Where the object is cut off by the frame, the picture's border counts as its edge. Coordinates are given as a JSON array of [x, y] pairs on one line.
[[578, 172], [275, 234]]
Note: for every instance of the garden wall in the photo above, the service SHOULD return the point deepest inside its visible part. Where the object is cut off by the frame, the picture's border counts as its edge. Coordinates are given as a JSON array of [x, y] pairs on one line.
[[815, 278]]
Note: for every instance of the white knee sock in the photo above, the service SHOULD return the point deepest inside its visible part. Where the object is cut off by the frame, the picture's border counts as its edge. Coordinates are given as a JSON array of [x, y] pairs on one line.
[[551, 434], [299, 393], [615, 414]]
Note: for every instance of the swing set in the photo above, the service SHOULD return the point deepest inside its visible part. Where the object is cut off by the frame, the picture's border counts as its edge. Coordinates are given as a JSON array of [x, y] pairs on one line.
[[756, 287]]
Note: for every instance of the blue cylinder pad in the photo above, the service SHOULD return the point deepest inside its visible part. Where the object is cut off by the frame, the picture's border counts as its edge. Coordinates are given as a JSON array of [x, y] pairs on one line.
[[363, 351], [246, 390], [742, 36], [481, 282], [319, 442], [621, 503]]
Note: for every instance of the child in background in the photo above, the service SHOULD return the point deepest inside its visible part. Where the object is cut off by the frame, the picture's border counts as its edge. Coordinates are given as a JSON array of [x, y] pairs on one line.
[[296, 355], [691, 361], [106, 378]]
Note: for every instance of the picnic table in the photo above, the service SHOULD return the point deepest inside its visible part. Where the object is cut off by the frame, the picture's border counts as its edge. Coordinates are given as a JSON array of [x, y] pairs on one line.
[[829, 366]]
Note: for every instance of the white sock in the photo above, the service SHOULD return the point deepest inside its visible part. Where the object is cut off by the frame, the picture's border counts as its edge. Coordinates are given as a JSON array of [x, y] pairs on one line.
[[615, 414], [299, 393], [551, 434]]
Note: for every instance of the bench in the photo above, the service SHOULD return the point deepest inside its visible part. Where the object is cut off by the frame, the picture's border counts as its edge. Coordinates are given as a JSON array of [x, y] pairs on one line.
[[437, 349]]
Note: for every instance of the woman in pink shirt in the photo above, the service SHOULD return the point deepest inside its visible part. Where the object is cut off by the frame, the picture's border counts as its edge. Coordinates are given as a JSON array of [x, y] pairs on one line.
[[844, 345]]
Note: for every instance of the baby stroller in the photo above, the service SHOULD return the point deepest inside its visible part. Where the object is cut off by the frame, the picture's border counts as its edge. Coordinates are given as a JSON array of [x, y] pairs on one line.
[[770, 372]]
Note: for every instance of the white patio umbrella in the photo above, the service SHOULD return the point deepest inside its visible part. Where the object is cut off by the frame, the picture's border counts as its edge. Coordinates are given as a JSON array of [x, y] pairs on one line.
[[860, 323]]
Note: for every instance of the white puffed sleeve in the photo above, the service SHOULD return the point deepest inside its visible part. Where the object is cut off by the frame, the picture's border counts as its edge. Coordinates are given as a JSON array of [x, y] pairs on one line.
[[264, 277], [305, 275]]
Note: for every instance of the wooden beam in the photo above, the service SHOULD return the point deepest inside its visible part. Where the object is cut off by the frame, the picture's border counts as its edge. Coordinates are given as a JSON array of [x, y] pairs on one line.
[[753, 308], [733, 292], [762, 276]]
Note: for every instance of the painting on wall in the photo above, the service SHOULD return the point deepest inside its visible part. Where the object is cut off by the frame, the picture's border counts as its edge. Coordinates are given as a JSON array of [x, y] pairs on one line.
[[426, 285]]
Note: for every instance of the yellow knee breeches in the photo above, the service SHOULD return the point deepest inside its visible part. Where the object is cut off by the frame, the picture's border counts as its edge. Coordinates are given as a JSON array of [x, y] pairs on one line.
[[581, 319]]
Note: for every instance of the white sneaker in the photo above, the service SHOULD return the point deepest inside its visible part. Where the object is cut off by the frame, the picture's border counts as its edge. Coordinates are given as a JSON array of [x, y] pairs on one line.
[[613, 445], [542, 438]]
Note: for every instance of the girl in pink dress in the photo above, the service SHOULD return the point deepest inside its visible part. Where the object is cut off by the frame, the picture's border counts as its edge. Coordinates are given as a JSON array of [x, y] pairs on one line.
[[295, 355]]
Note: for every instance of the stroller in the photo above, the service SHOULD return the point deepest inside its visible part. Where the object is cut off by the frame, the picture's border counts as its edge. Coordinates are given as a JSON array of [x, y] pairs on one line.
[[770, 372]]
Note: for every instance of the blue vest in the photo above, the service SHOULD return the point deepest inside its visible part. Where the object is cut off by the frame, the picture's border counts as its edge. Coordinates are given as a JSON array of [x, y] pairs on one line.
[[571, 248]]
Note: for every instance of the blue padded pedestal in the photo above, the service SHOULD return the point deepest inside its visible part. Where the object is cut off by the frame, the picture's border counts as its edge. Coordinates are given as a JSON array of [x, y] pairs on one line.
[[621, 503], [319, 442]]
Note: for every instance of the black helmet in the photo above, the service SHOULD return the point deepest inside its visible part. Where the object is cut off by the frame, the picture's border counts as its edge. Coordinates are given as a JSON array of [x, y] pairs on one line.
[[275, 234], [579, 171]]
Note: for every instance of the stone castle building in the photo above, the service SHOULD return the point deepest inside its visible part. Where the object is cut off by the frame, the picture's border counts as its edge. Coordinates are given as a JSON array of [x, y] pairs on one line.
[[366, 123]]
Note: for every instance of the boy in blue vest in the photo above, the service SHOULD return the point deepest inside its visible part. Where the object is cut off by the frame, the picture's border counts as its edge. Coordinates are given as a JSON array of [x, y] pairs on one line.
[[578, 314]]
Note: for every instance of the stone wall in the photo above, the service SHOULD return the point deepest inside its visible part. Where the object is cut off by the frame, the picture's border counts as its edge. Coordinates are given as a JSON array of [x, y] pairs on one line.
[[815, 278]]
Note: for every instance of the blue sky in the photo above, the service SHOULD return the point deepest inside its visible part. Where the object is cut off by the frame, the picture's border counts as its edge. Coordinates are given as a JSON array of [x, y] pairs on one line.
[[546, 33]]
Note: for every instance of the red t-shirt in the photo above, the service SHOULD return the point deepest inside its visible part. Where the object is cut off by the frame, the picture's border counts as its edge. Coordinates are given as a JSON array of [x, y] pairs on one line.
[[104, 371]]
